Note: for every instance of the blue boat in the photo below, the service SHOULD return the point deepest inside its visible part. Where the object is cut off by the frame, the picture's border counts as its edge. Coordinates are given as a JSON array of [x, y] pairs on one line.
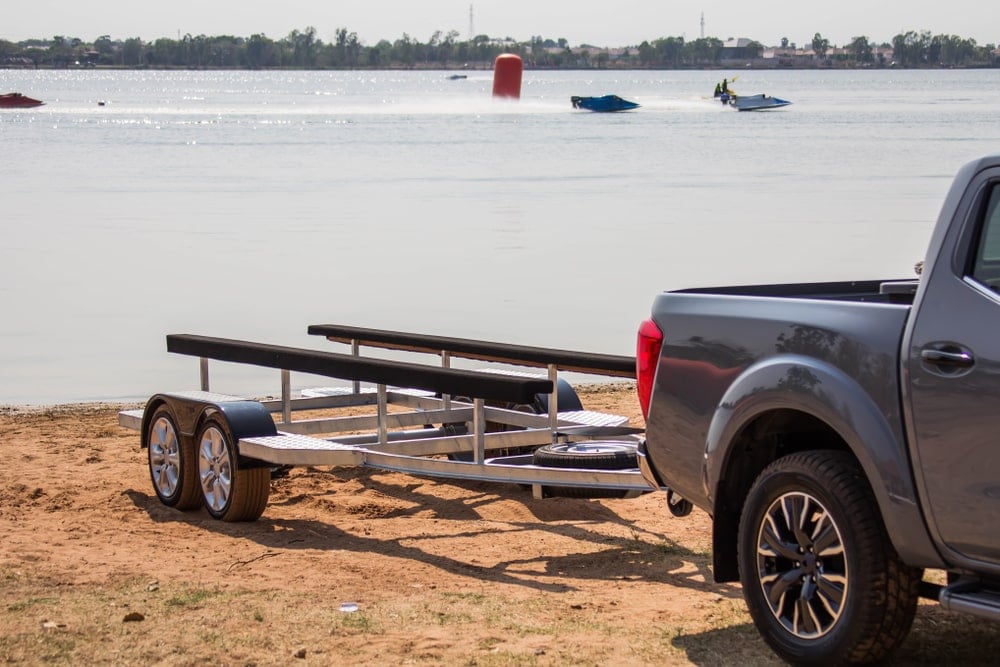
[[604, 103]]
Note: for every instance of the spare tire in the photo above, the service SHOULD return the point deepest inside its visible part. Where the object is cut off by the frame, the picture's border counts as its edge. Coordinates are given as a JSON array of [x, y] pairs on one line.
[[588, 455]]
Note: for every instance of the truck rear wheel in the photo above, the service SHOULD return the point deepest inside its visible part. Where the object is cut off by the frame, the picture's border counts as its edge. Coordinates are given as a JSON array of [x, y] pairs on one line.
[[821, 579], [231, 492]]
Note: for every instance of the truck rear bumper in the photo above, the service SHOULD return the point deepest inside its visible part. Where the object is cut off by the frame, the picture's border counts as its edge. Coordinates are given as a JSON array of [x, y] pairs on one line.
[[645, 469]]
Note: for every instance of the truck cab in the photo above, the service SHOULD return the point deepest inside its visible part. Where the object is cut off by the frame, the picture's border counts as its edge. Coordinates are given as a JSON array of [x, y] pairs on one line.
[[951, 396]]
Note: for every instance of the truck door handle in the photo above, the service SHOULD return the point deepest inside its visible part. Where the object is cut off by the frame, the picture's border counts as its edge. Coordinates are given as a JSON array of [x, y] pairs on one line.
[[953, 358]]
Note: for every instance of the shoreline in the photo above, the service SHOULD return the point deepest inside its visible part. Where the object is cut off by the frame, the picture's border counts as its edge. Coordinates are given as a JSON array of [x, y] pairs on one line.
[[588, 388]]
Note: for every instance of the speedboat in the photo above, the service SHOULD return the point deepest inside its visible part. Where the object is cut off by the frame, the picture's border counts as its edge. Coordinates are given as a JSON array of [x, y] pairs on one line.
[[18, 101], [759, 102], [604, 103]]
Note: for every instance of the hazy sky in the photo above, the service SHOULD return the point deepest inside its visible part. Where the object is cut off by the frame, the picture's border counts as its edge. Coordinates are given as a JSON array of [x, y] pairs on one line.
[[619, 23]]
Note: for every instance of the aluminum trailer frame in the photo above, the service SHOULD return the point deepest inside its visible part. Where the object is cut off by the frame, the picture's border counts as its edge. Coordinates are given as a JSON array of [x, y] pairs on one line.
[[488, 419]]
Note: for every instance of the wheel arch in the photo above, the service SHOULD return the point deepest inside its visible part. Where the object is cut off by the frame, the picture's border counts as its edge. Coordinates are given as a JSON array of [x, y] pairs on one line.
[[764, 416], [241, 418]]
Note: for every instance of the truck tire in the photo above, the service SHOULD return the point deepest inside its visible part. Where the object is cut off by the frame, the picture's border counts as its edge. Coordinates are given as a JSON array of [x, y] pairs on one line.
[[589, 456], [230, 492], [821, 579], [173, 466]]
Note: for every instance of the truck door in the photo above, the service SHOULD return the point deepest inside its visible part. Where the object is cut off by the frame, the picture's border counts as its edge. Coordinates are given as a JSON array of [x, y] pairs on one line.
[[953, 386]]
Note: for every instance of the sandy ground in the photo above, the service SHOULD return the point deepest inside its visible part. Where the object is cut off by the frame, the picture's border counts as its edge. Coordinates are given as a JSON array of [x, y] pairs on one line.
[[94, 570]]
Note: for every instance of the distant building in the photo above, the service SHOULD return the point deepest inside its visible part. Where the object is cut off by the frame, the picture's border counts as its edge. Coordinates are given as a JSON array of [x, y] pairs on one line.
[[587, 56], [740, 51], [741, 47], [18, 62], [776, 56]]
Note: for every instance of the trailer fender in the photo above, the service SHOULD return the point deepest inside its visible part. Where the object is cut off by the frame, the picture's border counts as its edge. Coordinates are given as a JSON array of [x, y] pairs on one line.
[[243, 418], [566, 398]]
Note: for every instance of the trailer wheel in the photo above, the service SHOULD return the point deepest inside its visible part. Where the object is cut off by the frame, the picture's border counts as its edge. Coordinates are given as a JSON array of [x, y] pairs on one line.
[[591, 455], [173, 467], [821, 579], [230, 492]]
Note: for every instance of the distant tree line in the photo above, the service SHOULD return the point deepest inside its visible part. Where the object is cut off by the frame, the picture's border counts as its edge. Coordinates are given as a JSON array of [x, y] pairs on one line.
[[298, 50], [304, 50], [913, 49]]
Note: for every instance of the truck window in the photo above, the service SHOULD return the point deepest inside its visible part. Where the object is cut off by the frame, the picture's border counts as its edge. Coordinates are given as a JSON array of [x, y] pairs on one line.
[[986, 269]]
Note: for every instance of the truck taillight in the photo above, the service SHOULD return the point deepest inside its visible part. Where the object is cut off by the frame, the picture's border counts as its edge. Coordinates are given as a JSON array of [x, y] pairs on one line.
[[647, 354]]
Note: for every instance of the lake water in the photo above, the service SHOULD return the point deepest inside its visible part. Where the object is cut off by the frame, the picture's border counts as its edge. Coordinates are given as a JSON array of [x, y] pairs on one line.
[[252, 204]]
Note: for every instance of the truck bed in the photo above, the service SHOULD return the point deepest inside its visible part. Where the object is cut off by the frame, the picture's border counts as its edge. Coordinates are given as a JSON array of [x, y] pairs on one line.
[[716, 339]]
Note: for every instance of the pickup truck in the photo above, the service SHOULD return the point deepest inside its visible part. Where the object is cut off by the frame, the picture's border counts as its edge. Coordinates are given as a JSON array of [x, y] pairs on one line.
[[844, 437]]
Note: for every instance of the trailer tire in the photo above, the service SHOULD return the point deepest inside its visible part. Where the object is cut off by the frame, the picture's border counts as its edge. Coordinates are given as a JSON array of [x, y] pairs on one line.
[[231, 492], [173, 465], [591, 455], [821, 579]]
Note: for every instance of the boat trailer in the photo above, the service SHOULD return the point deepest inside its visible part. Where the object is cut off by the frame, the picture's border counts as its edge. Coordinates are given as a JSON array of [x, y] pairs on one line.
[[494, 424]]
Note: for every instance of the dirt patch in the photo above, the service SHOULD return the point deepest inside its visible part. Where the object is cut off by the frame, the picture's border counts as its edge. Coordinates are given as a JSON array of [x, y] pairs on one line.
[[93, 569]]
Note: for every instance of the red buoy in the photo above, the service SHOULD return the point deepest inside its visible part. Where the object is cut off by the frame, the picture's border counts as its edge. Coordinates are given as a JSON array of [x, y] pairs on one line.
[[507, 76]]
